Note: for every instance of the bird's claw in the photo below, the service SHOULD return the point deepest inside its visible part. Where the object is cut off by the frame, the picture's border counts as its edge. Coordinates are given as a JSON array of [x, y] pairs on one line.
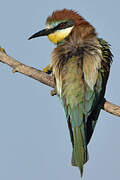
[[47, 69], [53, 92], [2, 50]]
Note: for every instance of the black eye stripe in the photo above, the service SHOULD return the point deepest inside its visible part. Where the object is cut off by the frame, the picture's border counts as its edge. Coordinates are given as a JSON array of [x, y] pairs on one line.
[[64, 25]]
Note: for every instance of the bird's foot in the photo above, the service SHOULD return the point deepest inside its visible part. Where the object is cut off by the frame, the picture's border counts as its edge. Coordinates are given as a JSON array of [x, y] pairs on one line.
[[47, 69], [53, 92], [2, 50]]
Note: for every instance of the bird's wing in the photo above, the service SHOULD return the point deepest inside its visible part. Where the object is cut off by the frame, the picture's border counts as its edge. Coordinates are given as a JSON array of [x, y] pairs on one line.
[[100, 87], [81, 75], [78, 98], [82, 98]]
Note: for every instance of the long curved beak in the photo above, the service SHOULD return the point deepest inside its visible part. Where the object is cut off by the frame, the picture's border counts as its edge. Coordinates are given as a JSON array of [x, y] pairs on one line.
[[44, 32]]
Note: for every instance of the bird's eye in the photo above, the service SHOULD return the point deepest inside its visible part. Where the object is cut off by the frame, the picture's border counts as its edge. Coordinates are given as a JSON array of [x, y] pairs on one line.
[[62, 25]]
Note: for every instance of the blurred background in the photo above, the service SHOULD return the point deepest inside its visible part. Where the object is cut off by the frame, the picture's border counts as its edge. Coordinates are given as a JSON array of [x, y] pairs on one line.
[[34, 137]]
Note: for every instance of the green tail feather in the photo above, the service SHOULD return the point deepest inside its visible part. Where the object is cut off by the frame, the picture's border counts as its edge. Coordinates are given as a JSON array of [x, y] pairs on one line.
[[79, 155]]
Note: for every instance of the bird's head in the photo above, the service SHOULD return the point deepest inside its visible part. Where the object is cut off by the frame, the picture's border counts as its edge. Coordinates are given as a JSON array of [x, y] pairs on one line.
[[59, 25]]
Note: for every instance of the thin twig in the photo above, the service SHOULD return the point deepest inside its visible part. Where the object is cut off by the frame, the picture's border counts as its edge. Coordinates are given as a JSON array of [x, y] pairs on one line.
[[27, 70]]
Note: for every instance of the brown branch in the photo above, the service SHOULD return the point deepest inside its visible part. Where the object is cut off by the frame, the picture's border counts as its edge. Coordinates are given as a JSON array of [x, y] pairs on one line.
[[27, 70], [46, 79], [112, 108]]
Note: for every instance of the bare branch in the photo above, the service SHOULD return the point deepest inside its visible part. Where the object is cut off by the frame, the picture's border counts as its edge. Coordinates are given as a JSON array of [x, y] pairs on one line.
[[27, 70], [46, 79], [112, 108]]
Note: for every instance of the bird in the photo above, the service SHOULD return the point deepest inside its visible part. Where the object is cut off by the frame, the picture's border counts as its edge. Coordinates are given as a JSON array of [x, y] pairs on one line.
[[80, 65]]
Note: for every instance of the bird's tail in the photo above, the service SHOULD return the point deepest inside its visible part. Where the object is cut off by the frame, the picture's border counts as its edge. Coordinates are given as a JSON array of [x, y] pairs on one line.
[[80, 154]]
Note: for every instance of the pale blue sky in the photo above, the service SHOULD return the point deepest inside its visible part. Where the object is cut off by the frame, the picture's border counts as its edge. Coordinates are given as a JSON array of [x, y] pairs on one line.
[[34, 138]]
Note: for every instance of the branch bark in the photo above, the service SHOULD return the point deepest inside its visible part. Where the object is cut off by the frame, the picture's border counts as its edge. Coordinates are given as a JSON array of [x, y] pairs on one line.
[[46, 79]]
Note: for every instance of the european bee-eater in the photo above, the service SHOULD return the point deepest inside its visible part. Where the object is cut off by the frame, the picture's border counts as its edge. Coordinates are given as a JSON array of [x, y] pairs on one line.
[[80, 65]]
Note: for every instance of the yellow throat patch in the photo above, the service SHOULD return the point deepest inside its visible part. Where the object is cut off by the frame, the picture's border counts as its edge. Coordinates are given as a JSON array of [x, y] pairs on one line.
[[59, 35]]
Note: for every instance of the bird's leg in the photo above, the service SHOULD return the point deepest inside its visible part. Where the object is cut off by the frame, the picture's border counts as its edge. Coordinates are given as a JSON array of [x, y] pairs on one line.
[[53, 92], [47, 69], [2, 50]]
